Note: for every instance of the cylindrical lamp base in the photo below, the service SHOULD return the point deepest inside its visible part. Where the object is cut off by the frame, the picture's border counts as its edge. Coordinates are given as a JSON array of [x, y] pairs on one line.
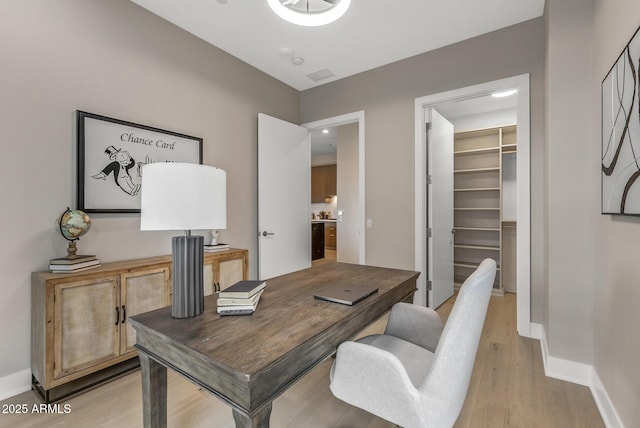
[[188, 289]]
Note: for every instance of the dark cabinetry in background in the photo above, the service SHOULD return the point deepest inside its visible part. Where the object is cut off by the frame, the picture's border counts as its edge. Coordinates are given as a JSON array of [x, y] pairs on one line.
[[323, 182], [317, 241]]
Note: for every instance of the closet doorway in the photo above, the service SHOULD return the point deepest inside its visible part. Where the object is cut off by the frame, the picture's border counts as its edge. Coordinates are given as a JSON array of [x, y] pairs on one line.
[[492, 144]]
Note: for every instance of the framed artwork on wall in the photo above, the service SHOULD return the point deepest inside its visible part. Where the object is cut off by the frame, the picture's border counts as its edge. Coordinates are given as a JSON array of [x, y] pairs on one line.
[[111, 154], [620, 167]]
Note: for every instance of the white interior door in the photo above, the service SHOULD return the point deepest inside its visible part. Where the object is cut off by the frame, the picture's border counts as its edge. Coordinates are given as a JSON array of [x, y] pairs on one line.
[[284, 195], [439, 207]]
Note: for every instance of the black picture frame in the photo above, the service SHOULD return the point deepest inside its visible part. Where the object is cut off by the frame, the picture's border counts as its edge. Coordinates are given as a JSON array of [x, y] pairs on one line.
[[110, 156], [620, 138]]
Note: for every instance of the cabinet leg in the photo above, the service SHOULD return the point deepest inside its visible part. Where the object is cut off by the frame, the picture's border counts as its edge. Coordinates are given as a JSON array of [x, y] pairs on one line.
[[154, 392]]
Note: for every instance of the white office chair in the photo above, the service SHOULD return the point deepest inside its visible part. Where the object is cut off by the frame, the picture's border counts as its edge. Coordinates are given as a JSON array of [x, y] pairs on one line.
[[416, 374]]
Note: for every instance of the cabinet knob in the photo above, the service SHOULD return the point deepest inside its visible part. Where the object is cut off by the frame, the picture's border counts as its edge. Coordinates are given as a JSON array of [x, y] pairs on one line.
[[117, 315], [124, 314]]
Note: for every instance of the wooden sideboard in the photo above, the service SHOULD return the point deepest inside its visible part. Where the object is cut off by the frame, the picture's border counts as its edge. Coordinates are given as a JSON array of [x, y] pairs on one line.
[[79, 330]]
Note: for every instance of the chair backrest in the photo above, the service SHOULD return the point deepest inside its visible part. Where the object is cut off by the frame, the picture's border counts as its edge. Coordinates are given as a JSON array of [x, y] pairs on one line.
[[450, 373]]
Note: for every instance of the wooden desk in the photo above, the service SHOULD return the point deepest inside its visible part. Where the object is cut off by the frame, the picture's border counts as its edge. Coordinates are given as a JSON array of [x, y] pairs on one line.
[[247, 361]]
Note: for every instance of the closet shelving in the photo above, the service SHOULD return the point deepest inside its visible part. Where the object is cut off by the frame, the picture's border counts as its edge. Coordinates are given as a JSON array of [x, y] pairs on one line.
[[479, 215]]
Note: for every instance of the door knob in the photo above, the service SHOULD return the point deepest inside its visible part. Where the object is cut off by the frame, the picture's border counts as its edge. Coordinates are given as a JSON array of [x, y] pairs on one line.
[[265, 233]]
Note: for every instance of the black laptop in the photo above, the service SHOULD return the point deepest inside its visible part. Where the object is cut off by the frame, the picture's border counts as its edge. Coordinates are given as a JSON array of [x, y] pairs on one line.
[[345, 294]]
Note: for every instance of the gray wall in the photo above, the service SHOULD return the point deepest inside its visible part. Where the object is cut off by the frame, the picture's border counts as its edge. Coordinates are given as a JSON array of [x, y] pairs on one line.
[[115, 59], [572, 189], [387, 95], [616, 285], [348, 229]]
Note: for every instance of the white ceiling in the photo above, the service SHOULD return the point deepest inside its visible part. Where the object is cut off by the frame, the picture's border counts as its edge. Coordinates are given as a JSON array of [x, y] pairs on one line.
[[476, 105], [372, 33], [323, 144]]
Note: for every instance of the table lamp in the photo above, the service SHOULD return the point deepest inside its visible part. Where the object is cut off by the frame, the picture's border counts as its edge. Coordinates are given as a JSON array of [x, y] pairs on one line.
[[184, 196]]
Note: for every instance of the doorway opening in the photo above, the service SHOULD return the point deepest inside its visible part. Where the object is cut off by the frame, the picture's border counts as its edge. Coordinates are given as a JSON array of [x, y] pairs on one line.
[[339, 141], [444, 103]]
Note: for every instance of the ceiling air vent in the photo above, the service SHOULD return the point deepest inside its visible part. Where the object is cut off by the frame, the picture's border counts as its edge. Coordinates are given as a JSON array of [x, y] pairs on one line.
[[320, 75]]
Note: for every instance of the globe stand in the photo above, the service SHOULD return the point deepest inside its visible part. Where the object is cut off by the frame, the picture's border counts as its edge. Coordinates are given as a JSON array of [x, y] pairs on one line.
[[72, 249]]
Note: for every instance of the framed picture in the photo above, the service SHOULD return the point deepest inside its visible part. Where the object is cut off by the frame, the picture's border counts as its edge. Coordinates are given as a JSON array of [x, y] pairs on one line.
[[620, 167], [111, 154]]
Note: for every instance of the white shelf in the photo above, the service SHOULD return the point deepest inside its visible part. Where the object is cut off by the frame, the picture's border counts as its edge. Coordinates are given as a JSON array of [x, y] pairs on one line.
[[477, 247], [477, 151], [465, 171], [478, 189], [509, 148], [476, 209], [469, 265], [480, 229]]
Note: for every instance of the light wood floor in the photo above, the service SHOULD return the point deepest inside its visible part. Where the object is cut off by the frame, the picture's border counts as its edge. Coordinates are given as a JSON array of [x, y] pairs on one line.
[[508, 389], [329, 255]]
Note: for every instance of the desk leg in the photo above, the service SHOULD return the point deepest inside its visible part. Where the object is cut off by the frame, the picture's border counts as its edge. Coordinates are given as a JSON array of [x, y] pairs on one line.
[[154, 392], [259, 420]]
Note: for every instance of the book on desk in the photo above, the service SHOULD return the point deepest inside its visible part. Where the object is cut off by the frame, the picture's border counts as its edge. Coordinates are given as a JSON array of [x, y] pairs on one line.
[[241, 298], [242, 289]]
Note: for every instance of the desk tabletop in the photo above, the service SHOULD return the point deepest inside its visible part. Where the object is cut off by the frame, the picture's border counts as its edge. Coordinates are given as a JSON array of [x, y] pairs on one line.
[[247, 358]]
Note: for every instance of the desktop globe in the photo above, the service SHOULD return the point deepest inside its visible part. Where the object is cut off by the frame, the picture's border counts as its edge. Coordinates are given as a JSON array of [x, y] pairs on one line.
[[73, 224]]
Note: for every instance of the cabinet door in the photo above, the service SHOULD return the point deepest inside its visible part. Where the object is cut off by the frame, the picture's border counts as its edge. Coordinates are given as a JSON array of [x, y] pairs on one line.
[[142, 291], [330, 180], [317, 184], [317, 241], [323, 182], [208, 278], [330, 236], [224, 270], [86, 326], [230, 272]]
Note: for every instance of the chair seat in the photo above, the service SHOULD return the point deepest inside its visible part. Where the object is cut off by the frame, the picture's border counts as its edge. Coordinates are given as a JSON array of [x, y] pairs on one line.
[[415, 359]]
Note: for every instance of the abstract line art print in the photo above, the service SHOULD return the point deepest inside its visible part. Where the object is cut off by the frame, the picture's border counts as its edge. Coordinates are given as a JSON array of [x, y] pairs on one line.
[[621, 133]]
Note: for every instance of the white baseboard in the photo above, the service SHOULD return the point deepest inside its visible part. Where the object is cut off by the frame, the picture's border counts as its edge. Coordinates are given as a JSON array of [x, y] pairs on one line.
[[15, 384], [558, 368], [579, 373], [536, 330], [607, 411]]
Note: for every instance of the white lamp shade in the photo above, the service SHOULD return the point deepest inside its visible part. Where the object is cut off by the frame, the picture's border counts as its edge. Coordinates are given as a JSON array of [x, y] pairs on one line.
[[183, 196]]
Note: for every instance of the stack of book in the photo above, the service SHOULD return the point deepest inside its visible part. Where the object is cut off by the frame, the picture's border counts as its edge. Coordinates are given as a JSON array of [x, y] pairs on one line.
[[73, 264], [241, 298], [214, 248]]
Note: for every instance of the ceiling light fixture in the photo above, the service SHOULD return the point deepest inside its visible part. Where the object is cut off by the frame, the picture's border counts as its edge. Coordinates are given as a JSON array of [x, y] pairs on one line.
[[309, 13], [503, 94]]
